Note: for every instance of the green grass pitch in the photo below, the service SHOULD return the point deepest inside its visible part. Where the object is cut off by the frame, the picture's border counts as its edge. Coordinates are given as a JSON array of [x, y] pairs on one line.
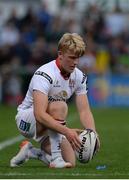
[[113, 127]]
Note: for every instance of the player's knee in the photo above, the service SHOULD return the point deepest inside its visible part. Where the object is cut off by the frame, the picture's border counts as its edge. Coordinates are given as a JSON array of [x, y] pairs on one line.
[[58, 109]]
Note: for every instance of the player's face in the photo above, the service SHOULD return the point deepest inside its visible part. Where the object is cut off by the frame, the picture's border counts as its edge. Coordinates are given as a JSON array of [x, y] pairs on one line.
[[68, 61]]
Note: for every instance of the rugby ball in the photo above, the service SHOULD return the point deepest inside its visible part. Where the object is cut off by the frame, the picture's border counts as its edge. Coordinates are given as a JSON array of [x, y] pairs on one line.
[[88, 146]]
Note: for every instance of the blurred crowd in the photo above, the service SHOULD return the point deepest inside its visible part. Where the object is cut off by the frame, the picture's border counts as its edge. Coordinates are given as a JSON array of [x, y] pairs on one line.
[[31, 41]]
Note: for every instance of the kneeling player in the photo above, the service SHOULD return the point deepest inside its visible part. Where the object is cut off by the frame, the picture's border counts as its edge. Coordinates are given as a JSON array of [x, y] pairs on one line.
[[57, 81]]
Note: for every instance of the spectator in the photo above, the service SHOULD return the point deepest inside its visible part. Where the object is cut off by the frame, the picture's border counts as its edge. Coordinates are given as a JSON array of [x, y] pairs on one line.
[[9, 34], [43, 16], [88, 63], [116, 22]]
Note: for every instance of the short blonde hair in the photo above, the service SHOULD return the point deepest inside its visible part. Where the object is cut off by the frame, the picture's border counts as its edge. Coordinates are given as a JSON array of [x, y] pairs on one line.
[[72, 42]]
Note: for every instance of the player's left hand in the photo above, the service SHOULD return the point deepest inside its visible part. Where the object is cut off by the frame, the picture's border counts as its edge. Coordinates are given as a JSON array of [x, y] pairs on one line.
[[98, 141]]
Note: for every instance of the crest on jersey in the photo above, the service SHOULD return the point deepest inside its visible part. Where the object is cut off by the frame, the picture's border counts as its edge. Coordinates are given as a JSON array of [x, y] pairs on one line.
[[64, 94], [71, 83]]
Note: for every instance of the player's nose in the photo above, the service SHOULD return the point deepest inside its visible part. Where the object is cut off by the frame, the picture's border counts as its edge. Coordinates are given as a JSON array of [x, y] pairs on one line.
[[76, 62]]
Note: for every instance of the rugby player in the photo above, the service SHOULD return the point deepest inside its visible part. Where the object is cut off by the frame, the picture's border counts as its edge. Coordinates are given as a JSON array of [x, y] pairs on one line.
[[42, 114]]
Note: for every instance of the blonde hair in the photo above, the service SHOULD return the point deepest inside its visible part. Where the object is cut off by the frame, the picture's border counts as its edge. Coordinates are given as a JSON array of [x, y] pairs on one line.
[[72, 42]]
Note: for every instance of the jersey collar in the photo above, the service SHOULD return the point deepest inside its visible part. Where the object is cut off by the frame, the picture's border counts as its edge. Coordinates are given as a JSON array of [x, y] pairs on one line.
[[63, 73]]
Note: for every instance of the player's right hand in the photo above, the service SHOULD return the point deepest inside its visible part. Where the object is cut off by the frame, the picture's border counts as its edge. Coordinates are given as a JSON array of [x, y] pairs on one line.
[[73, 138]]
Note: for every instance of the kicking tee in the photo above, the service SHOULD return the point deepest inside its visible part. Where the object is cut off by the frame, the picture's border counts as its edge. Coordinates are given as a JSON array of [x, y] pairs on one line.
[[48, 80]]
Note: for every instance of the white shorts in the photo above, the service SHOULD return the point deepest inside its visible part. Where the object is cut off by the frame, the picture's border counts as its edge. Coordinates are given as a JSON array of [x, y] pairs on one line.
[[26, 124]]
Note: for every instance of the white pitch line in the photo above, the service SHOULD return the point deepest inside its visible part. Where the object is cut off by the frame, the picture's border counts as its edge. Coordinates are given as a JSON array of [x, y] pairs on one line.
[[10, 142], [63, 174]]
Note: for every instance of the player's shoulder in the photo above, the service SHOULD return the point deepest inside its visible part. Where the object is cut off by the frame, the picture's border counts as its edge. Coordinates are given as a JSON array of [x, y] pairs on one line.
[[78, 71], [46, 71], [80, 75], [47, 67]]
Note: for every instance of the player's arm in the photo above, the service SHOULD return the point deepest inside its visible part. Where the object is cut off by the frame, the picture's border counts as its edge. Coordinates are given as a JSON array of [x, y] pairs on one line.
[[82, 103], [86, 116], [41, 115]]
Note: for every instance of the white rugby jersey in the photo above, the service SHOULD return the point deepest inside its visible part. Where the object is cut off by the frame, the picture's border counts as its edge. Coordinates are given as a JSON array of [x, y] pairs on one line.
[[48, 79]]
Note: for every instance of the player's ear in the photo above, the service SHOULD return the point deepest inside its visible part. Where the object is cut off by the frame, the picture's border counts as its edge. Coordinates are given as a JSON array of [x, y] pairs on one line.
[[60, 54]]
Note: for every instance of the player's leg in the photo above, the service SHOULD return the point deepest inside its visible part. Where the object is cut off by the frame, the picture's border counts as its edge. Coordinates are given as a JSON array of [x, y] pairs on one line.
[[31, 129], [66, 150], [26, 124], [59, 112]]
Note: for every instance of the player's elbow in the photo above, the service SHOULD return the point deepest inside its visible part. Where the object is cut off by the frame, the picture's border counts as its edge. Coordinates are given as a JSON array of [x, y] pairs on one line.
[[38, 116]]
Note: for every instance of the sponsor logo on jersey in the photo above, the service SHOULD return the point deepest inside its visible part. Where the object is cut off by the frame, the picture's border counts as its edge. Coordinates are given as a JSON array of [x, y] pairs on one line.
[[46, 76], [55, 98], [61, 96], [84, 78]]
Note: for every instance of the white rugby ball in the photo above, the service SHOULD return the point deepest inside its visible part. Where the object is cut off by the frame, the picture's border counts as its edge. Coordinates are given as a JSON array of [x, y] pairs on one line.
[[88, 146]]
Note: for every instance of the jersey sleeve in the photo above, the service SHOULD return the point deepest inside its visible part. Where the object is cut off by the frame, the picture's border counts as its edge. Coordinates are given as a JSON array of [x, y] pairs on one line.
[[42, 81], [82, 83]]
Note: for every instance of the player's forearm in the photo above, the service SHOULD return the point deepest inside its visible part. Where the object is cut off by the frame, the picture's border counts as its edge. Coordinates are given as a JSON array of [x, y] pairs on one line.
[[48, 121], [87, 120]]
